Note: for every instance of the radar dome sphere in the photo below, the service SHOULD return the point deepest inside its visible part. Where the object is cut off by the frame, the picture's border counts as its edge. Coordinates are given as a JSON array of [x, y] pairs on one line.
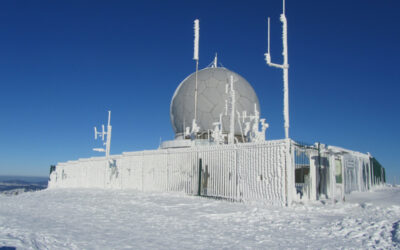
[[211, 87]]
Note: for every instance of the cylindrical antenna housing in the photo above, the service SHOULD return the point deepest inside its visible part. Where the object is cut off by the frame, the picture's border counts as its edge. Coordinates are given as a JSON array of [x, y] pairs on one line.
[[196, 39]]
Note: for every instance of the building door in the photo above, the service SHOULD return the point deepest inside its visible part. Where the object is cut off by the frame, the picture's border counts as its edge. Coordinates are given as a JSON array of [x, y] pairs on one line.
[[323, 180], [339, 192], [204, 175]]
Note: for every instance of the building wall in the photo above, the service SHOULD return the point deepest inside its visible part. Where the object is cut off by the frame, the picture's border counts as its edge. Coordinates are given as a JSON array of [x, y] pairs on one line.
[[356, 168]]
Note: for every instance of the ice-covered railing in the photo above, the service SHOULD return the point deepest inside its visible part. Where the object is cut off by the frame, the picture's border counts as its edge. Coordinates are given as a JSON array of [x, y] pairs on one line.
[[245, 172], [266, 171]]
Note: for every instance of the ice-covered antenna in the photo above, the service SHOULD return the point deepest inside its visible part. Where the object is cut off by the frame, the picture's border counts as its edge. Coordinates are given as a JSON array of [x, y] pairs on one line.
[[196, 39], [215, 62], [284, 67], [196, 58], [104, 134], [230, 109]]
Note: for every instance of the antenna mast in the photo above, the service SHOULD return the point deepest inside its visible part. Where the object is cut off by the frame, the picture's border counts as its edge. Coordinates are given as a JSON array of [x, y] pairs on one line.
[[230, 106], [104, 134], [196, 58], [284, 67]]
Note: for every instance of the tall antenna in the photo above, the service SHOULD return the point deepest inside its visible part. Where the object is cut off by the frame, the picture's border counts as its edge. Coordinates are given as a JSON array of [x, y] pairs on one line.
[[196, 58], [104, 134], [230, 106], [284, 67]]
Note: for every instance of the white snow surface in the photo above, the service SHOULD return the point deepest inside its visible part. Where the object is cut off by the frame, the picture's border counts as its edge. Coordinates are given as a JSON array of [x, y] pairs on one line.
[[126, 219]]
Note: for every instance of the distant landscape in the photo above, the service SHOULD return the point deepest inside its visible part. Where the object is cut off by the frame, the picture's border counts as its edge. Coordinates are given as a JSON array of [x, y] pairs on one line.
[[14, 185]]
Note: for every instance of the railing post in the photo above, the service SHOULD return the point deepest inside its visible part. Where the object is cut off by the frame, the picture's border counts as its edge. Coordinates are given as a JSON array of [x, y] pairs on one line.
[[199, 179], [289, 172], [313, 176]]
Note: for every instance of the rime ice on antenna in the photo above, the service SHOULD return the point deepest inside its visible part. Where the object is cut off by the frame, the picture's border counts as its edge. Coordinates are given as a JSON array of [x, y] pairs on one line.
[[105, 135], [230, 110], [195, 127], [284, 67], [196, 58], [215, 62]]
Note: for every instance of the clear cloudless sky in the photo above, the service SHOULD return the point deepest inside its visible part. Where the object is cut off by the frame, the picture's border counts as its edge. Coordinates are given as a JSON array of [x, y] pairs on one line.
[[63, 64]]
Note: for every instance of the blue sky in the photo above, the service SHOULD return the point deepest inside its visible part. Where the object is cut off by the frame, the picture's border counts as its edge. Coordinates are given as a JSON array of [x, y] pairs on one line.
[[63, 64]]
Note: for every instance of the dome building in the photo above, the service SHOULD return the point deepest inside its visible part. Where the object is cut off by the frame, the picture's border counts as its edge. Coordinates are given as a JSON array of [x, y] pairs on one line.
[[211, 101]]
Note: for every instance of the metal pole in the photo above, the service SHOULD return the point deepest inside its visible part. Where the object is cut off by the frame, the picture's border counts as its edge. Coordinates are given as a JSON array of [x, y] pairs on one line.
[[200, 172], [285, 74], [195, 92], [108, 143], [284, 67], [196, 57]]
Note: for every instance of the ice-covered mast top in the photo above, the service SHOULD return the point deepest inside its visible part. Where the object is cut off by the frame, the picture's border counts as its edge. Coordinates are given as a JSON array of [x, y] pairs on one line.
[[284, 67], [102, 134]]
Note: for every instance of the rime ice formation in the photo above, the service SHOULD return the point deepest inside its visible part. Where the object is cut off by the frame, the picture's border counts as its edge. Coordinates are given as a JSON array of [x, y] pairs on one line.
[[196, 39], [220, 150], [211, 100], [231, 171], [284, 67], [104, 135], [273, 172]]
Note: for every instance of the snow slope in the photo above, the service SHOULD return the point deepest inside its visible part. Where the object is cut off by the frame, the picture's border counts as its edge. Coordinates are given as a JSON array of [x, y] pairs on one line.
[[124, 219]]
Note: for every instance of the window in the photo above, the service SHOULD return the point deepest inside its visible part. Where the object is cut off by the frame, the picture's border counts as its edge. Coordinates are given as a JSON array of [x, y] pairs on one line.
[[301, 173]]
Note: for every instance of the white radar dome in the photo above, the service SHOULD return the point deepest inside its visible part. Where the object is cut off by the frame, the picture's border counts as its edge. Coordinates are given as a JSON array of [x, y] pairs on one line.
[[211, 100]]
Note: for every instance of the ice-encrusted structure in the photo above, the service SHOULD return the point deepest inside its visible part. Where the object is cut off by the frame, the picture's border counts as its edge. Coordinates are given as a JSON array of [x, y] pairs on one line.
[[224, 154], [331, 172], [273, 172], [238, 171], [220, 149]]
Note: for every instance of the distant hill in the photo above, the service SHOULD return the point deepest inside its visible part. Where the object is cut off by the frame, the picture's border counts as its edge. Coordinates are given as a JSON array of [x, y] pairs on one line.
[[13, 185], [24, 178]]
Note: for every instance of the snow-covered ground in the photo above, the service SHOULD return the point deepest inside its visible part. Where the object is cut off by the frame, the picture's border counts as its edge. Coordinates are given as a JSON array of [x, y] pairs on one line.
[[125, 219]]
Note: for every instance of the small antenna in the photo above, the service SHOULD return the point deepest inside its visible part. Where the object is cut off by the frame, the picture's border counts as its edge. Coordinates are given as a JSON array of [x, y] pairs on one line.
[[215, 63], [104, 134]]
